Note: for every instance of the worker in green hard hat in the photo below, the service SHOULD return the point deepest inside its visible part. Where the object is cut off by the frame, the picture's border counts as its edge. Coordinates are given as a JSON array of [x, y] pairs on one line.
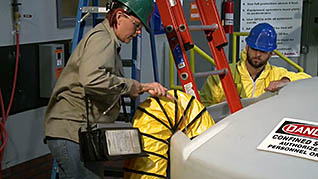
[[94, 72], [253, 75], [138, 12]]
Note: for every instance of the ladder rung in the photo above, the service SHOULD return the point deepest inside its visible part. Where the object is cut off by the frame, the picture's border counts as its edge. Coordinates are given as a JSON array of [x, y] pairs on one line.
[[224, 71], [94, 9], [212, 27]]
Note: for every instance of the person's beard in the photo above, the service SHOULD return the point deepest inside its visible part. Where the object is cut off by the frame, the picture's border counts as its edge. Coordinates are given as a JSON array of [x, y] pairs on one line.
[[256, 64]]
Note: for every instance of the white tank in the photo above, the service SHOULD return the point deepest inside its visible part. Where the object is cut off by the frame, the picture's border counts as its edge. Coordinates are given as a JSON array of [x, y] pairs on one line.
[[231, 148]]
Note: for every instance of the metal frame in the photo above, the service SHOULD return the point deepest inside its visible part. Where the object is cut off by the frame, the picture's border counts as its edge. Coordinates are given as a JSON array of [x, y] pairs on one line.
[[66, 22]]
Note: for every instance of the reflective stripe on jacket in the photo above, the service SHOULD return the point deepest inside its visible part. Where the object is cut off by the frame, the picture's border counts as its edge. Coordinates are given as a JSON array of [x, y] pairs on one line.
[[212, 91]]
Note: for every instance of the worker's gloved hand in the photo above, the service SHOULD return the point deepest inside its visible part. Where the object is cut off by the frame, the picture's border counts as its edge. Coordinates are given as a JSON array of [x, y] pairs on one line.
[[276, 85]]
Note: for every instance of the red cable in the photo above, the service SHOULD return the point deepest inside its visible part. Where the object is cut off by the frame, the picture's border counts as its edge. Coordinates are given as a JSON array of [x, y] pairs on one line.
[[4, 134], [15, 75], [2, 127]]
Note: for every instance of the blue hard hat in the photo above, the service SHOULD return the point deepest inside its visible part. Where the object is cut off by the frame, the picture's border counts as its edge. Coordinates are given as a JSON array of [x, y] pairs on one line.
[[262, 37]]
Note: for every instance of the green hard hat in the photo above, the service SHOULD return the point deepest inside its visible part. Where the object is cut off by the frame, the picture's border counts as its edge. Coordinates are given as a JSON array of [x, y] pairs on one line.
[[141, 8]]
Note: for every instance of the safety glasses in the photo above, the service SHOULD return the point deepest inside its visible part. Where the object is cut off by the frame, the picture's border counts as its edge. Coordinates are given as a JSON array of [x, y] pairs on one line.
[[137, 25]]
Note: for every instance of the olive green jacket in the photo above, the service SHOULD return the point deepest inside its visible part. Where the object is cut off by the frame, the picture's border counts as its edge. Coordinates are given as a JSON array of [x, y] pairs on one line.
[[94, 69]]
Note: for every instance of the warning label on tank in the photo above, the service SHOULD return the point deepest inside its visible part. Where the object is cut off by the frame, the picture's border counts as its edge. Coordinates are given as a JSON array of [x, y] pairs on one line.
[[293, 137]]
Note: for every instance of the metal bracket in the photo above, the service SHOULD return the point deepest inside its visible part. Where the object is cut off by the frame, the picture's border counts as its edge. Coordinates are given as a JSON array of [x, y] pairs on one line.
[[94, 9], [91, 10]]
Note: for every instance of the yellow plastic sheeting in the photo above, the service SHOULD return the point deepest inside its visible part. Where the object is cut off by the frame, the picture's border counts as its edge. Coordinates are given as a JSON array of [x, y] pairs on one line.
[[158, 119]]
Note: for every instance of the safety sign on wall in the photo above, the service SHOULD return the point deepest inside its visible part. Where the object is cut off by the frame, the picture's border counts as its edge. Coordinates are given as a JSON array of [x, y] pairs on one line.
[[293, 137], [283, 15]]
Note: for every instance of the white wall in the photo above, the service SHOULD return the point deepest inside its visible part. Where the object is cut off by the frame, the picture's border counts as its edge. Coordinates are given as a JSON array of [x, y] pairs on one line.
[[25, 137], [25, 130], [41, 27]]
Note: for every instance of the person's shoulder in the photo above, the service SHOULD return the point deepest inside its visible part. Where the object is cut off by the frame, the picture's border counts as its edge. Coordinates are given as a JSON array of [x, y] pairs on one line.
[[98, 35], [276, 68], [101, 31]]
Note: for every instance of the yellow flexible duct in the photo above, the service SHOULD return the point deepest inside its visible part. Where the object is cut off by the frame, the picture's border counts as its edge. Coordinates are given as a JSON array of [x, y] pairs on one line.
[[158, 119]]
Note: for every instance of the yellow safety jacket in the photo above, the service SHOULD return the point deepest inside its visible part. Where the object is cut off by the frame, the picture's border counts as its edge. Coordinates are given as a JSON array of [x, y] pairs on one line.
[[212, 91]]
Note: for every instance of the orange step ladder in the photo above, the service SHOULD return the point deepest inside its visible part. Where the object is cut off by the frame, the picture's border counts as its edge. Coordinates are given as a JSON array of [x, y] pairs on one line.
[[178, 35]]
